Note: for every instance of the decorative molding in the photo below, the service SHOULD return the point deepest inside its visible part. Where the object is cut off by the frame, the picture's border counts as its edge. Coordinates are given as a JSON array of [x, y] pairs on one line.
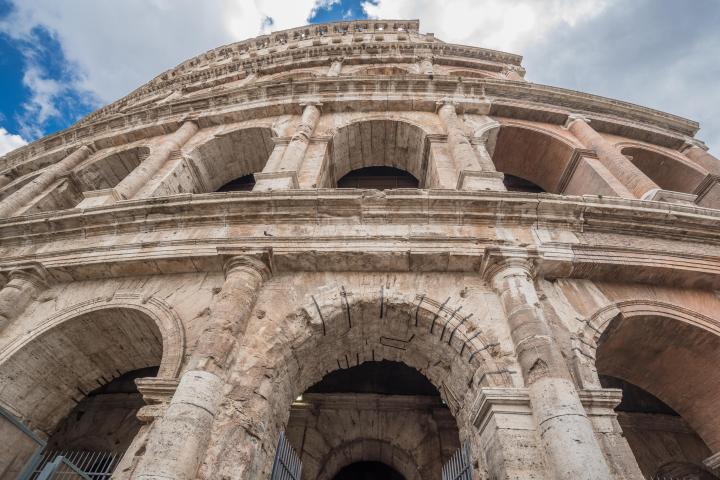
[[494, 403]]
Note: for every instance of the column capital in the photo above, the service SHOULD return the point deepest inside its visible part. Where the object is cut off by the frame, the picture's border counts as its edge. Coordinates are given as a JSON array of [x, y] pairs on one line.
[[34, 274], [575, 116], [259, 261], [499, 263], [312, 103], [693, 143], [446, 103]]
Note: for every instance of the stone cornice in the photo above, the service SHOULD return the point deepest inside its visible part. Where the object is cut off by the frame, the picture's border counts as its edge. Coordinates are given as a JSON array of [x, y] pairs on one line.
[[513, 99], [70, 244]]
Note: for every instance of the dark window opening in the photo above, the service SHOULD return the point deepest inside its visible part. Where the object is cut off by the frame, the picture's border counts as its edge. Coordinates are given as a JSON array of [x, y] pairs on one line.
[[242, 184], [380, 178], [368, 471], [517, 184]]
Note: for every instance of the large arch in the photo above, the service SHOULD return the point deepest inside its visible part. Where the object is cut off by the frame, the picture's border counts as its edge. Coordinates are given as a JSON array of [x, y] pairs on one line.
[[336, 330], [668, 351], [44, 374], [379, 142], [533, 154], [229, 156], [668, 171], [109, 169]]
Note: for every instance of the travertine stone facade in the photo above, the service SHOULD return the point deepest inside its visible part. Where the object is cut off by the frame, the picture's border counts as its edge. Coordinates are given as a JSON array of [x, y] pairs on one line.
[[554, 276]]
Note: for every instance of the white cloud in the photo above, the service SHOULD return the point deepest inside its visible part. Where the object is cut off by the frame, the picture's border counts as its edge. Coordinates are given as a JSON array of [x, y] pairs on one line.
[[508, 25], [9, 142], [114, 47]]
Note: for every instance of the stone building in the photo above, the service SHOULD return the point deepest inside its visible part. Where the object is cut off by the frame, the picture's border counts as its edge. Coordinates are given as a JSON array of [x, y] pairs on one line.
[[380, 246]]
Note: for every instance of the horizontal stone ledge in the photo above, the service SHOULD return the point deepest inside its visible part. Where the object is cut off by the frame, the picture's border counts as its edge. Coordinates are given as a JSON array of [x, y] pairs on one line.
[[369, 207], [429, 256]]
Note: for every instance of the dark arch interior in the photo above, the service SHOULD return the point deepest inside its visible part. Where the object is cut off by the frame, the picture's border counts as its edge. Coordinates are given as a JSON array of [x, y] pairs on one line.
[[517, 184], [105, 420], [380, 178], [368, 471], [359, 419], [241, 184], [384, 377]]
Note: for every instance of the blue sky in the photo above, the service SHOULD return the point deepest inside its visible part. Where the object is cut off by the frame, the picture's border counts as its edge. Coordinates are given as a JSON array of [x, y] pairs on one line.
[[60, 60]]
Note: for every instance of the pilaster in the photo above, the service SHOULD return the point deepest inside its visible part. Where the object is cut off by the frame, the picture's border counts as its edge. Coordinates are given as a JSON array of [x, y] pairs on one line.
[[23, 286]]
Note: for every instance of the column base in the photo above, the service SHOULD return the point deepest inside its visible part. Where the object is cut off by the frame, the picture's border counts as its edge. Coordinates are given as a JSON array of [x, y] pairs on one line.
[[508, 434], [267, 181], [669, 196], [481, 180], [96, 198]]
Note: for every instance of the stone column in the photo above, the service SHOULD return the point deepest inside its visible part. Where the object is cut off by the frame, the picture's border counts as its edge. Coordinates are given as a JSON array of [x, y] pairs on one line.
[[5, 180], [27, 193], [472, 174], [177, 446], [23, 287], [138, 178], [283, 174], [335, 67], [623, 169], [565, 430]]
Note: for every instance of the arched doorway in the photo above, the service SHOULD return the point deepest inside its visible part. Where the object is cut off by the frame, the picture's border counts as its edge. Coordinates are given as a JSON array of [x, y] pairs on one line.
[[664, 366], [337, 331], [396, 144], [73, 384], [374, 413]]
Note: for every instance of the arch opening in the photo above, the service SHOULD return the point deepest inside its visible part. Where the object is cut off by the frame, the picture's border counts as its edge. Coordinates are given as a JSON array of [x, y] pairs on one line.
[[516, 184], [339, 331], [379, 143], [227, 161], [380, 418], [73, 384], [380, 178], [109, 170], [536, 157], [664, 368], [667, 172]]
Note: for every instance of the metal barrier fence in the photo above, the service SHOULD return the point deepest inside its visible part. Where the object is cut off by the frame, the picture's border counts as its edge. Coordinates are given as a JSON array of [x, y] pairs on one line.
[[72, 464], [459, 467], [287, 464]]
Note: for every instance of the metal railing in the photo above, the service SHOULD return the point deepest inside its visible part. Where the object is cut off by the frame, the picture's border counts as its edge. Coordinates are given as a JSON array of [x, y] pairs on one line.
[[91, 465], [287, 464], [459, 467]]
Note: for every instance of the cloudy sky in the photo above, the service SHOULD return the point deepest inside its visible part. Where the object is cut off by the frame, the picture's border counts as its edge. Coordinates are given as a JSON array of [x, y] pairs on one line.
[[61, 59]]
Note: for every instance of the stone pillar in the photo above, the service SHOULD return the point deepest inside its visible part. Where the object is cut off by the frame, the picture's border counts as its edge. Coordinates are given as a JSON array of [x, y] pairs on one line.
[[27, 193], [23, 287], [472, 174], [283, 174], [425, 65], [623, 169], [177, 447], [335, 67], [138, 178], [566, 432], [5, 179]]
